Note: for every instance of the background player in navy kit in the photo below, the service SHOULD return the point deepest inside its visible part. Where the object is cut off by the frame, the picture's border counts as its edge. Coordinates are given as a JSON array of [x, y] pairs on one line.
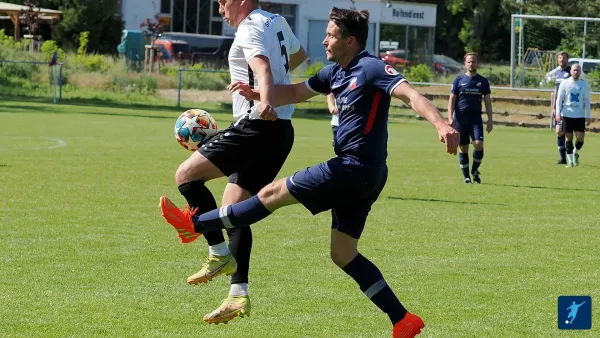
[[351, 182], [562, 72], [464, 113]]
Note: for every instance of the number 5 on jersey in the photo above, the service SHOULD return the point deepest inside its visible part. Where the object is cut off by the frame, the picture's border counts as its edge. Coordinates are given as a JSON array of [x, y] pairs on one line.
[[283, 51]]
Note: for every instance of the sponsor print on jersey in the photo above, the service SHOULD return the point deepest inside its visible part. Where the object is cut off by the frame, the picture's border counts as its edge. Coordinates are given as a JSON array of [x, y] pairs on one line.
[[390, 70]]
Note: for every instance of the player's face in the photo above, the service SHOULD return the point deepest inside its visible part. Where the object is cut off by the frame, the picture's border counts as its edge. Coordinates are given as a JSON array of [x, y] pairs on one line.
[[229, 9], [471, 63], [335, 44], [562, 61], [576, 71]]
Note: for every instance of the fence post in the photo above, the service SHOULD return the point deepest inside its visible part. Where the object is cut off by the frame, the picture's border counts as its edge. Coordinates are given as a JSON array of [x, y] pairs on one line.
[[179, 75], [60, 82]]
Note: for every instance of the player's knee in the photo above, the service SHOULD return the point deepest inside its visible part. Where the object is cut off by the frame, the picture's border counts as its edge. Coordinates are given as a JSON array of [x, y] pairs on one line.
[[478, 145], [272, 194], [464, 148], [342, 256]]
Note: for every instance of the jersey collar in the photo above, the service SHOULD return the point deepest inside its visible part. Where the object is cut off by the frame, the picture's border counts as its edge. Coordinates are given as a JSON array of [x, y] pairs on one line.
[[356, 59]]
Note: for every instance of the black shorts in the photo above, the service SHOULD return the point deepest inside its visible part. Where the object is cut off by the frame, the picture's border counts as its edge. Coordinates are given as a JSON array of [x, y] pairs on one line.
[[572, 124], [251, 152]]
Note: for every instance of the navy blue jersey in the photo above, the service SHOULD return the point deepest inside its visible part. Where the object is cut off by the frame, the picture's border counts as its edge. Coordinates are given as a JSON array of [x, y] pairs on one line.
[[469, 92], [362, 92], [561, 74]]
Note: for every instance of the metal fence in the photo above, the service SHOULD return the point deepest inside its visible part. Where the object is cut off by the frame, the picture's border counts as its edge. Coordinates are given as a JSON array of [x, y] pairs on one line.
[[57, 75]]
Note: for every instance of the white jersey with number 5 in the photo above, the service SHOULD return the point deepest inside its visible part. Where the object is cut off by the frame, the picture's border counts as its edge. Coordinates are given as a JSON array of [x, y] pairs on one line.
[[267, 34]]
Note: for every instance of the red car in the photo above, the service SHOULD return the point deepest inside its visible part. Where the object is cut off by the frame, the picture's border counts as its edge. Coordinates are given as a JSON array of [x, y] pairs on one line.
[[395, 58]]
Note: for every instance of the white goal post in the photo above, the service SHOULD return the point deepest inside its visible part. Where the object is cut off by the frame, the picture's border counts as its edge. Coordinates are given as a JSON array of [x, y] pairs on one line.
[[517, 26]]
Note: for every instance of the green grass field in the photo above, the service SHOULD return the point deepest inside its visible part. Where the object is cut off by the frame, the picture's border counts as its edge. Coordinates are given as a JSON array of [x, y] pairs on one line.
[[84, 251]]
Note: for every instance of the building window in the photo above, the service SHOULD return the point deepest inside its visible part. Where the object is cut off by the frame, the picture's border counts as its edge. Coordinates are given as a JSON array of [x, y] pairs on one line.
[[165, 6], [287, 11]]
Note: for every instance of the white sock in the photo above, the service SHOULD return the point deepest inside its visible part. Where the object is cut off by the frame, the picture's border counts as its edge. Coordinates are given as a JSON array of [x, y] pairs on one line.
[[220, 249], [574, 150], [240, 289], [571, 158]]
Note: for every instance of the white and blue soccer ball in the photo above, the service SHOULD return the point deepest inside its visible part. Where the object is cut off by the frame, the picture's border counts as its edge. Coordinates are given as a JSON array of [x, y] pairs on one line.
[[193, 127]]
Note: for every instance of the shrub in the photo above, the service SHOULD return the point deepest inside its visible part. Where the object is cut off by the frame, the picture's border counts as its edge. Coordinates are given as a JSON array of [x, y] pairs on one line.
[[314, 68], [419, 73]]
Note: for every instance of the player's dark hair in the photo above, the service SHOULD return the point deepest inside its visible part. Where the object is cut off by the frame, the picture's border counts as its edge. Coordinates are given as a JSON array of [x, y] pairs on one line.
[[473, 54], [563, 53], [352, 23]]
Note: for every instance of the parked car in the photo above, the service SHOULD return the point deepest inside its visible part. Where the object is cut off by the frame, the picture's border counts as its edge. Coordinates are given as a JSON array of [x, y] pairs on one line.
[[444, 65], [174, 50], [395, 58], [209, 50]]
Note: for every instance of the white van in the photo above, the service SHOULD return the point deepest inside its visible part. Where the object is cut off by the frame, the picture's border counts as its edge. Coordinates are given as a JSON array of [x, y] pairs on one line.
[[587, 66]]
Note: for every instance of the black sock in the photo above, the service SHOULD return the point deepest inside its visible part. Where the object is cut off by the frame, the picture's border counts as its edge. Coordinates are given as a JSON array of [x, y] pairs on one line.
[[240, 245], [561, 147], [198, 196], [463, 159], [477, 157], [371, 282], [569, 146], [578, 145]]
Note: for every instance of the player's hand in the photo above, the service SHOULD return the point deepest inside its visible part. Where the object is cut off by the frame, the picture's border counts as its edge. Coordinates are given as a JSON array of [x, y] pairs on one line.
[[333, 111], [490, 126], [449, 136], [553, 113], [557, 118], [267, 112], [451, 121], [244, 90], [588, 121]]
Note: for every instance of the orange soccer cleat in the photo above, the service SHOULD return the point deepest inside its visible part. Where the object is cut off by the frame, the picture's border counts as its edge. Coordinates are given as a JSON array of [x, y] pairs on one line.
[[408, 327], [180, 219]]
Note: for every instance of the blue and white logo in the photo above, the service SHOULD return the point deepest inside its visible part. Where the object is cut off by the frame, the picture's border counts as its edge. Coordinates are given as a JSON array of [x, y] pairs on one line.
[[574, 312]]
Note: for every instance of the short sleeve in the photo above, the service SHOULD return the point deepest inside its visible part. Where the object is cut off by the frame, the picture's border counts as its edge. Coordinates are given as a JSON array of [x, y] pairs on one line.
[[454, 88], [253, 42], [485, 87], [321, 82], [383, 76], [294, 42]]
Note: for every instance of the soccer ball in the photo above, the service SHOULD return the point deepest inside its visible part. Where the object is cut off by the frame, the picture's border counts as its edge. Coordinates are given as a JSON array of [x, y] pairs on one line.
[[193, 127]]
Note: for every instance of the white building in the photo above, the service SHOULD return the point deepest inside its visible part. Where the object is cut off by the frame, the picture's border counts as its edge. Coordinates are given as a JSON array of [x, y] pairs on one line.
[[408, 27]]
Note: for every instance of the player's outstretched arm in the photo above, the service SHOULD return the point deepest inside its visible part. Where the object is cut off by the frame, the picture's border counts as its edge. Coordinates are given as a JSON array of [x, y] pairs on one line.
[[421, 105], [284, 94]]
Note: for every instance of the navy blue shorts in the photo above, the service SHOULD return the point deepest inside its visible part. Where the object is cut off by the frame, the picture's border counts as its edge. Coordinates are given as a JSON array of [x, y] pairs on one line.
[[469, 129], [349, 190]]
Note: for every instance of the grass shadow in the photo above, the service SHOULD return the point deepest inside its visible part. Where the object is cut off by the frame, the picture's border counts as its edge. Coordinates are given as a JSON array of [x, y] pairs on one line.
[[439, 200], [539, 187], [91, 102]]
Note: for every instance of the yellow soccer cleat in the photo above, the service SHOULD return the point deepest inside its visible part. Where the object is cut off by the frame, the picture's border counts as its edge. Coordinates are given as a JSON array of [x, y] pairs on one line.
[[213, 267], [232, 306]]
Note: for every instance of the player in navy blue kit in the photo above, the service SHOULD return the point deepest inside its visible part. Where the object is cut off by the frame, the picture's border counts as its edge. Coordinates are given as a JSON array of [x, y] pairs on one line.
[[561, 73], [351, 182], [464, 113]]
